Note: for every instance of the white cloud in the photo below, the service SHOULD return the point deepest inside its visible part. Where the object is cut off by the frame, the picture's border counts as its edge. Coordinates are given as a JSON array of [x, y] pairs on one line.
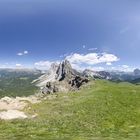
[[81, 67], [19, 54], [84, 46], [22, 53], [92, 58], [2, 66], [124, 68], [26, 52], [64, 55], [109, 63], [19, 65], [82, 61], [44, 64], [96, 68], [89, 60]]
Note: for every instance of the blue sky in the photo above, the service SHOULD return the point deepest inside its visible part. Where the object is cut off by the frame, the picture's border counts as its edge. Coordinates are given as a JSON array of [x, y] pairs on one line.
[[97, 34]]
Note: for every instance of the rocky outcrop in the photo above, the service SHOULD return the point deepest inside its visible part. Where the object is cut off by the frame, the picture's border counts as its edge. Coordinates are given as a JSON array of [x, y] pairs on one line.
[[49, 88], [61, 78], [77, 82], [13, 108], [12, 114]]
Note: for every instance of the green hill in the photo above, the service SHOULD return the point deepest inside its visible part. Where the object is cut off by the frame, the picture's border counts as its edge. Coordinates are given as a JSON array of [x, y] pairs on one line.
[[102, 111], [17, 82]]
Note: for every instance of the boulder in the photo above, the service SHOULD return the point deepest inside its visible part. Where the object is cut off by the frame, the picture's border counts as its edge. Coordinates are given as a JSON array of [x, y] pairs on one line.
[[50, 88]]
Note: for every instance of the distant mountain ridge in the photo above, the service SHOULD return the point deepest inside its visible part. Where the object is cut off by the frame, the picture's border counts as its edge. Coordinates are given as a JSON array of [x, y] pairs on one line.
[[125, 76], [137, 72], [96, 74], [18, 72]]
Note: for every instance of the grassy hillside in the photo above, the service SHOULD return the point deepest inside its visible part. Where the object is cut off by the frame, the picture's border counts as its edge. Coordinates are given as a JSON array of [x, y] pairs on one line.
[[17, 87], [17, 84], [101, 111]]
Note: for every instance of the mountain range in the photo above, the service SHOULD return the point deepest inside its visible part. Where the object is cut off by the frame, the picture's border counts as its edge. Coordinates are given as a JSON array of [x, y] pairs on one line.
[[60, 77]]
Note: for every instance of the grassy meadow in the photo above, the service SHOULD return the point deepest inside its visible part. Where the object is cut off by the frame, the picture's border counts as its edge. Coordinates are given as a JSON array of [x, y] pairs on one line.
[[101, 111], [17, 86]]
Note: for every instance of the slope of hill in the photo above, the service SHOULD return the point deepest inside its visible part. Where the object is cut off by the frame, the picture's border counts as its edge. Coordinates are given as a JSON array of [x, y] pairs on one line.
[[102, 111]]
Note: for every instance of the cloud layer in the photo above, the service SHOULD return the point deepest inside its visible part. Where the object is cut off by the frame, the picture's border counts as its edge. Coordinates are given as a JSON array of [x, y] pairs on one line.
[[45, 64], [92, 58], [79, 61]]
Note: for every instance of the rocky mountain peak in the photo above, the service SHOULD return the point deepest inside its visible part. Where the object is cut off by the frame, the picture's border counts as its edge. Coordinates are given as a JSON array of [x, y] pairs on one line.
[[64, 71], [54, 67], [62, 78], [137, 71]]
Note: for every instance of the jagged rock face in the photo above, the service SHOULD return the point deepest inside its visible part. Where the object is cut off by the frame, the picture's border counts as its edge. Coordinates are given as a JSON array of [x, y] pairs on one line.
[[61, 78], [77, 82], [65, 71], [49, 76]]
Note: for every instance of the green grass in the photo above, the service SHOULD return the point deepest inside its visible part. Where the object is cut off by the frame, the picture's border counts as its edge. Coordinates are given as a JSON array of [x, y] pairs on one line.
[[17, 86], [102, 111]]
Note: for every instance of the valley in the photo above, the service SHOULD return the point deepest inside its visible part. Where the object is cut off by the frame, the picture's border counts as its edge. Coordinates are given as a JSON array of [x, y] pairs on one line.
[[17, 82]]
